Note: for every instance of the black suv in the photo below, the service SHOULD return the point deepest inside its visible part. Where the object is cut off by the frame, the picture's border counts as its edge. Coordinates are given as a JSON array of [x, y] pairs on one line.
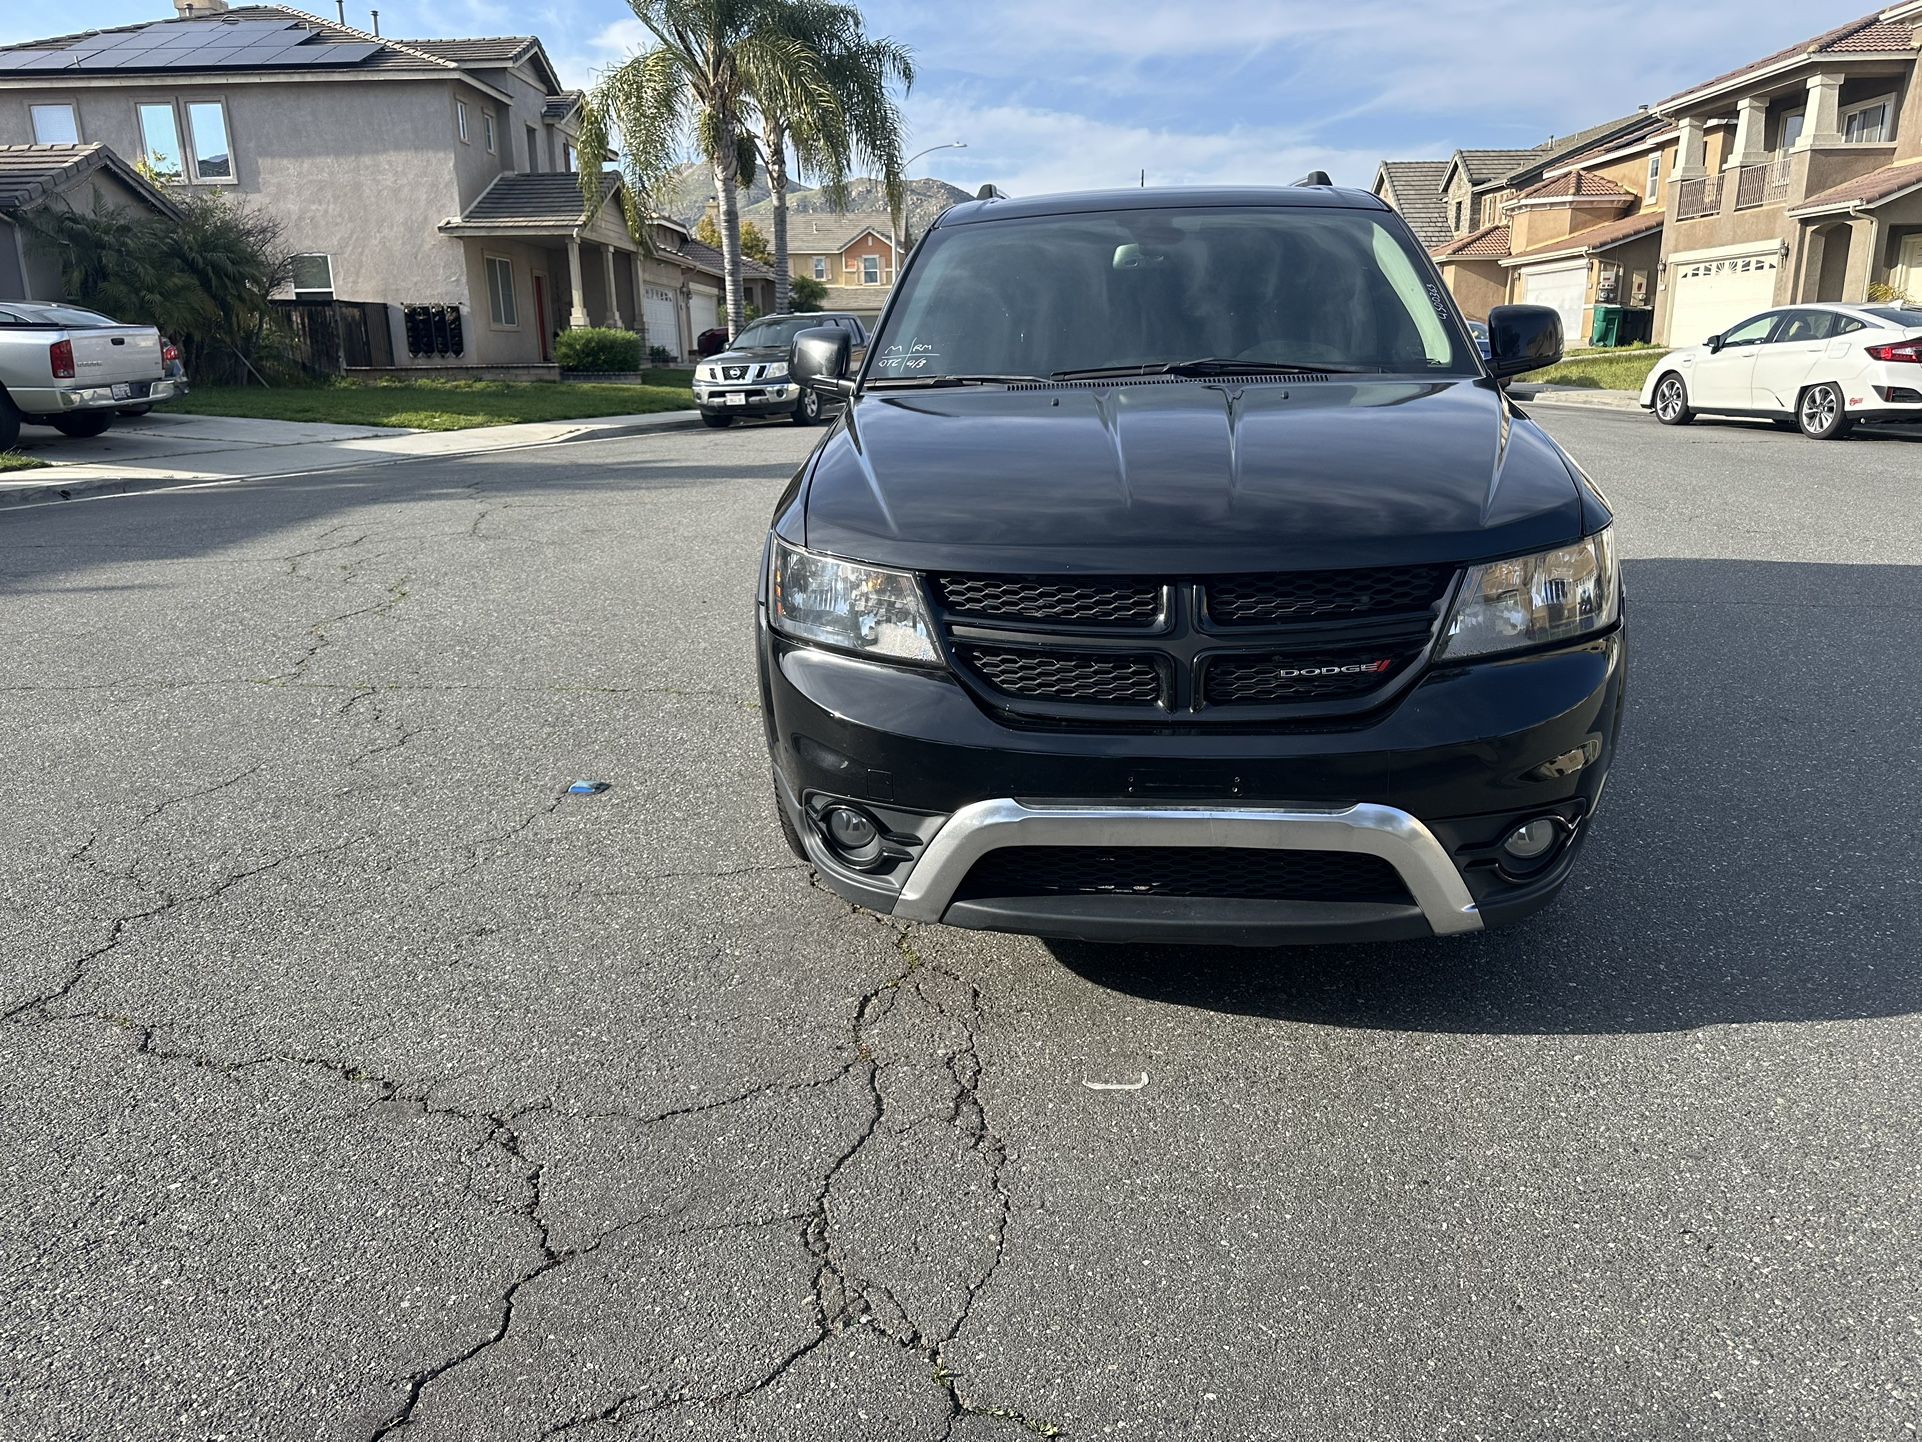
[[750, 377], [1180, 570]]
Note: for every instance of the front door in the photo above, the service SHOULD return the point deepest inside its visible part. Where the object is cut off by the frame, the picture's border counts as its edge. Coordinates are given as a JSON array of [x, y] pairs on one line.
[[1908, 269], [540, 316], [1725, 380]]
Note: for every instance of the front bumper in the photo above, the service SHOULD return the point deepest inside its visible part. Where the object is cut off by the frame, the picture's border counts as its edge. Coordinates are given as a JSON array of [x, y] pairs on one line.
[[732, 398], [1431, 786]]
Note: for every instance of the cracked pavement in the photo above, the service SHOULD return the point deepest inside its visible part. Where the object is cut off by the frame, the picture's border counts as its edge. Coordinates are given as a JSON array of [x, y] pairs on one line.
[[362, 1084]]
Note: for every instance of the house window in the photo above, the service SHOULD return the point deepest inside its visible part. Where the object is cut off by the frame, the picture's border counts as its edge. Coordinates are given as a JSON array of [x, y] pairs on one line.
[[501, 309], [567, 157], [870, 270], [1792, 124], [160, 151], [55, 125], [313, 277], [533, 150], [1654, 175], [1869, 123], [487, 130], [460, 120], [213, 155], [820, 267], [1456, 223]]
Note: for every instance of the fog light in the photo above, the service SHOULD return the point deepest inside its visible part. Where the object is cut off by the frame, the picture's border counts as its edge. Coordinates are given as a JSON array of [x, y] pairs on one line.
[[1532, 840], [853, 835]]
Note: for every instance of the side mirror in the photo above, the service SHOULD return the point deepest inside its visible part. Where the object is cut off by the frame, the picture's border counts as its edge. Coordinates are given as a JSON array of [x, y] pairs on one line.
[[1714, 344], [1523, 338], [820, 360]]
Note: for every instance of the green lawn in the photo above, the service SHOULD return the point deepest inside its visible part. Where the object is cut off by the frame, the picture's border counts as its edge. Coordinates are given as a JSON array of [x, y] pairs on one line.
[[14, 461], [1602, 370], [440, 405]]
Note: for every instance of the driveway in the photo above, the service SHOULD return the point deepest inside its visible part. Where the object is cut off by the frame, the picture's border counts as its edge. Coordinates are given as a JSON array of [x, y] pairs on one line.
[[162, 442], [361, 1083]]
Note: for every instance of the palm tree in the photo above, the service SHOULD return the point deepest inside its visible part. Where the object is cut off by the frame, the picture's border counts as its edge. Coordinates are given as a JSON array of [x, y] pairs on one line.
[[862, 127], [712, 63]]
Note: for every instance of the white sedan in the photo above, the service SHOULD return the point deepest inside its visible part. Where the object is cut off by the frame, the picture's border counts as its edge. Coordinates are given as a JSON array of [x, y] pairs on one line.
[[1822, 368]]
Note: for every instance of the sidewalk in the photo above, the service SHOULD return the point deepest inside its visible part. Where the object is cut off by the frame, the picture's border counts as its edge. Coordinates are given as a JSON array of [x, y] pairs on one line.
[[157, 451], [1586, 397]]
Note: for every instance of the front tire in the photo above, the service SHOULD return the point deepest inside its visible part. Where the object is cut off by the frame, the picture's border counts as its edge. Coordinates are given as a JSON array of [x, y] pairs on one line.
[[807, 410], [719, 423], [1671, 401], [1821, 414], [83, 425]]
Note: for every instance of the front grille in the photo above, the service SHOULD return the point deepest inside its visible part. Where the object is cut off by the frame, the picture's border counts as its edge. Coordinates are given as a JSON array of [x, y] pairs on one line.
[[1238, 649], [1307, 595], [1222, 873], [734, 373], [1067, 676], [1100, 601], [1277, 680]]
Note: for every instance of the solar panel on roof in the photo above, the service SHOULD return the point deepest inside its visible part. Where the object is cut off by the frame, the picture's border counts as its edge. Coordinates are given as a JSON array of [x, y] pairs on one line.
[[50, 60]]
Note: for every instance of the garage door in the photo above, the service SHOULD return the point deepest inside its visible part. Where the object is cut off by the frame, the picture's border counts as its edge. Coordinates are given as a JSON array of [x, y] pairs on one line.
[[704, 308], [1562, 288], [1708, 296], [662, 318]]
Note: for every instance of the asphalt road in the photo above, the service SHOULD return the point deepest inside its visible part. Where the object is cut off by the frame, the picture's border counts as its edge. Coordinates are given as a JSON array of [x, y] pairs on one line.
[[357, 1083]]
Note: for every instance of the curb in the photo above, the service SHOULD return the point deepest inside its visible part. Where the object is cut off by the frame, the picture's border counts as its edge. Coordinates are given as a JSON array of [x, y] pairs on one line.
[[81, 488], [1622, 402]]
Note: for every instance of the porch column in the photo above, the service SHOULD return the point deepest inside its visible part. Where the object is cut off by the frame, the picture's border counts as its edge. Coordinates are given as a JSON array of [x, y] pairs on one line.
[[1751, 121], [1691, 150], [640, 301], [577, 283], [613, 295], [1823, 126]]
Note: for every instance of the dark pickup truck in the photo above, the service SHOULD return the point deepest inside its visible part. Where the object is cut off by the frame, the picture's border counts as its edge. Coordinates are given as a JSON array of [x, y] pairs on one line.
[[751, 378], [1180, 570]]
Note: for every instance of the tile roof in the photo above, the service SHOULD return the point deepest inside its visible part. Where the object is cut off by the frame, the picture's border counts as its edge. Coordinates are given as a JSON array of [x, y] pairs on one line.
[[392, 54], [31, 173], [1488, 243], [1865, 36], [559, 107], [1601, 237], [1577, 185], [858, 298], [1484, 166], [547, 199], [1647, 128], [1416, 185], [1870, 189], [823, 233], [707, 258]]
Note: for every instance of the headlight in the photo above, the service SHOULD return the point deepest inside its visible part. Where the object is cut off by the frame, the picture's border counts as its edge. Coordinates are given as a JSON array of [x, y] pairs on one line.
[[1551, 596], [708, 373], [775, 372], [855, 608]]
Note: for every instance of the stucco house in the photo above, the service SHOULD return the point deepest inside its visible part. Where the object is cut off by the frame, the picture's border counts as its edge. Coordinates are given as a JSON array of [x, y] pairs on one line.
[[432, 177], [82, 178], [852, 254], [1797, 178]]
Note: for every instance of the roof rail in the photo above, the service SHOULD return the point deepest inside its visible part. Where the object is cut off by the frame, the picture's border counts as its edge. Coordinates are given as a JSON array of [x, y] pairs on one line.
[[1315, 177]]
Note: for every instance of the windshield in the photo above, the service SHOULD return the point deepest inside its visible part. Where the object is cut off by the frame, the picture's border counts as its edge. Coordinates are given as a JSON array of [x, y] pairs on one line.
[[771, 333], [1300, 286]]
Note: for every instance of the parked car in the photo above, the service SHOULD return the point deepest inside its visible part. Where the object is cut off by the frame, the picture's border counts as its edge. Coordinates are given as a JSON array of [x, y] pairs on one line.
[[1479, 330], [1178, 571], [74, 369], [1821, 368], [751, 377], [711, 342]]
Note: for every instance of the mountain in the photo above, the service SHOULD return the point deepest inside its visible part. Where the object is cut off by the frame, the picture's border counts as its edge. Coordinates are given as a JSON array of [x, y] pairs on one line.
[[926, 200]]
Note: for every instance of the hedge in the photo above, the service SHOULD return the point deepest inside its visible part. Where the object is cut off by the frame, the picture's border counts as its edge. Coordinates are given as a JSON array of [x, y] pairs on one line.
[[591, 349]]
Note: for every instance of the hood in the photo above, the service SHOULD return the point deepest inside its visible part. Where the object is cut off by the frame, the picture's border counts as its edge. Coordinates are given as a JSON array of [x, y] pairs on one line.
[[749, 355], [1198, 476]]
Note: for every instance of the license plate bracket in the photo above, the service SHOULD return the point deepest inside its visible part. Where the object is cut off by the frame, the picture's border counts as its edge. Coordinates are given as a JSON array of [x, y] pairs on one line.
[[123, 391]]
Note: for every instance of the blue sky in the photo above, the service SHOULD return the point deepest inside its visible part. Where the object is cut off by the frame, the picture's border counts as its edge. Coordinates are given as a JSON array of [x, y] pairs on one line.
[[1069, 94]]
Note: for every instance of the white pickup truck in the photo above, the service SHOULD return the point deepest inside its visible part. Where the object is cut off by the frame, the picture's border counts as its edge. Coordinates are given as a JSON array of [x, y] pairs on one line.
[[74, 369]]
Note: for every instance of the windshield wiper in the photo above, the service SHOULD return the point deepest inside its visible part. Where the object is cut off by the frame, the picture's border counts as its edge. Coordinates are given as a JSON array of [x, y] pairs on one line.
[[1217, 366], [930, 382]]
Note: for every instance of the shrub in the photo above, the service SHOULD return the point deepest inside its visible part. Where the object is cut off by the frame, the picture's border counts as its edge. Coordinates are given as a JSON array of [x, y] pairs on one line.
[[660, 355], [806, 294], [594, 349]]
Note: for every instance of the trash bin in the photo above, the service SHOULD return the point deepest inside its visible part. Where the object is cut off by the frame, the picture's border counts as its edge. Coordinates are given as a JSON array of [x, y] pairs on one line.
[[1608, 326]]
